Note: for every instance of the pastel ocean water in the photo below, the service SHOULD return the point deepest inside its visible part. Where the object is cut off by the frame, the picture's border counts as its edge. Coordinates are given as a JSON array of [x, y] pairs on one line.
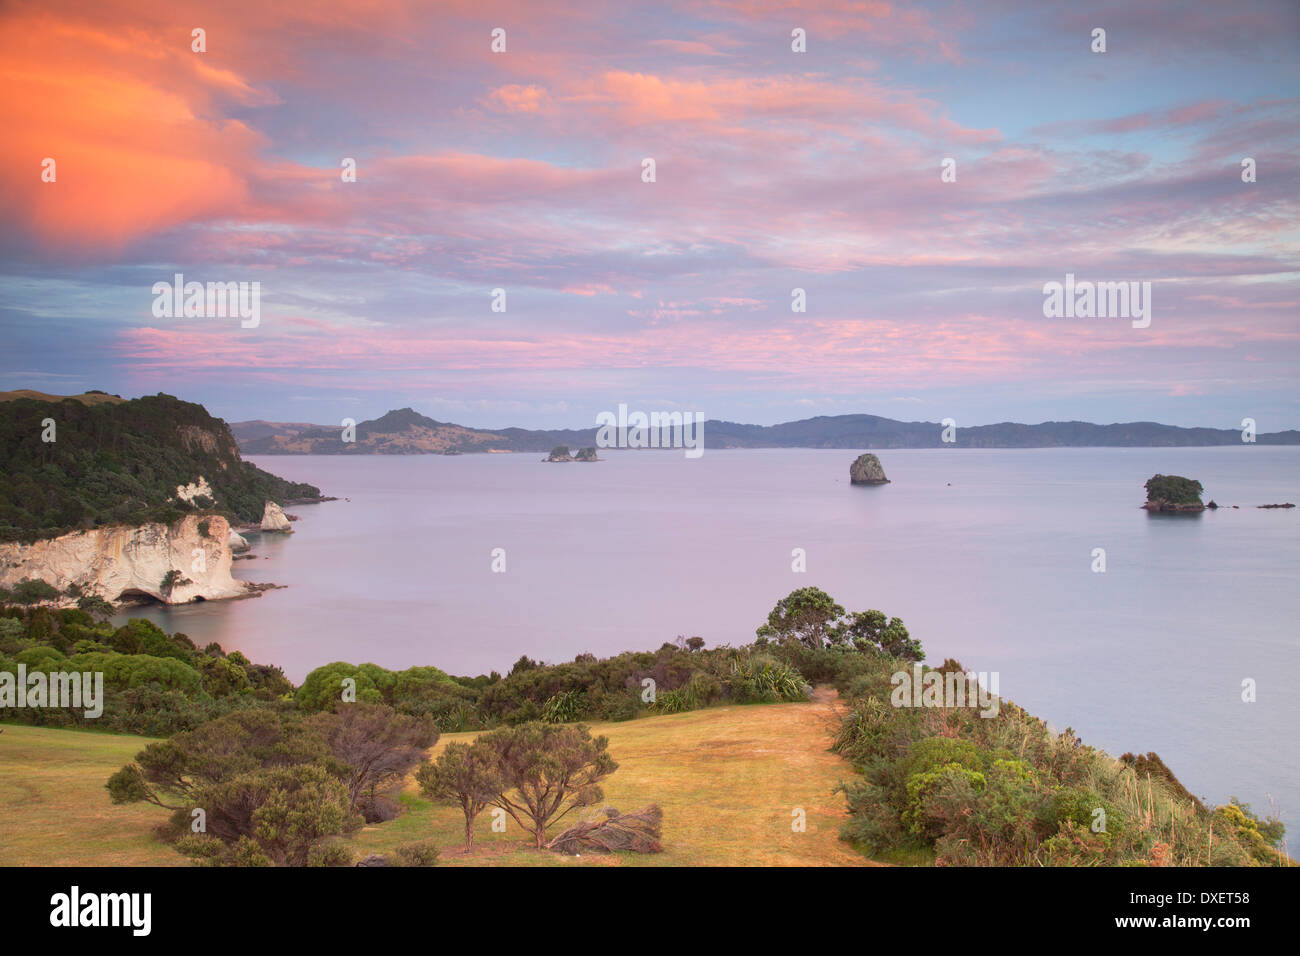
[[987, 556]]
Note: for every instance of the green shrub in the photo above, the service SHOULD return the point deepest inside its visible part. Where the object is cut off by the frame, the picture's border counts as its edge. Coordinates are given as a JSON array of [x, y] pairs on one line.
[[1080, 806], [566, 707], [330, 853], [935, 752], [760, 679], [33, 590], [417, 853], [923, 814]]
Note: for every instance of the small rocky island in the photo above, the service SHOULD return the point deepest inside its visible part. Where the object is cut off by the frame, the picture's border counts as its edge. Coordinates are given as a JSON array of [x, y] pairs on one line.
[[561, 453], [1173, 494], [274, 519], [866, 470]]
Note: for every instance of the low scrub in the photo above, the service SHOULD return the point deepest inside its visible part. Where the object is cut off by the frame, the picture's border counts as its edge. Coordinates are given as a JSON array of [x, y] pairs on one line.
[[946, 785]]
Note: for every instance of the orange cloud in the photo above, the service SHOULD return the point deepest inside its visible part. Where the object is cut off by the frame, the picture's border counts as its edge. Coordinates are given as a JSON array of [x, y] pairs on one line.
[[129, 123]]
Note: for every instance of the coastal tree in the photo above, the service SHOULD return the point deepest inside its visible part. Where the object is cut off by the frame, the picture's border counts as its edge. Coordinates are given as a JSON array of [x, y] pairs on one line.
[[95, 606], [525, 663], [806, 615], [465, 775], [268, 787], [33, 591], [872, 631], [547, 771], [171, 772], [324, 686], [377, 746], [809, 617]]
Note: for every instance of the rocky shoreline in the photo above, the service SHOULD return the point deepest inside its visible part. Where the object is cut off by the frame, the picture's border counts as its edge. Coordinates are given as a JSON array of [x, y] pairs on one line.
[[179, 563], [186, 561]]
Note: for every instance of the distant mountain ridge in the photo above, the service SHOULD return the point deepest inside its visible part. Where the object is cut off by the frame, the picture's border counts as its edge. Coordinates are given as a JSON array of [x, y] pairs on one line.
[[405, 431]]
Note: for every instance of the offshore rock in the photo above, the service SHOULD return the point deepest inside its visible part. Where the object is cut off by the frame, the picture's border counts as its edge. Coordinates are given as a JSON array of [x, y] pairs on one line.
[[274, 520], [866, 470]]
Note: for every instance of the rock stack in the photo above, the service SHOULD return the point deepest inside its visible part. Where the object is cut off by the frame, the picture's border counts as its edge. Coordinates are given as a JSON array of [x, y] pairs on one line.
[[866, 470]]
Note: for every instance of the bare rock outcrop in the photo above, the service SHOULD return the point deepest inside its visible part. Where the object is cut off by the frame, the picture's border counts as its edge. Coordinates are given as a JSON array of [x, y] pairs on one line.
[[866, 470], [238, 543], [195, 489], [274, 519], [174, 564]]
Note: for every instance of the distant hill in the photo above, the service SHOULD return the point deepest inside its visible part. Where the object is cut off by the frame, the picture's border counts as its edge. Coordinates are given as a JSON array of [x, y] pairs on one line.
[[93, 397], [400, 432], [114, 461], [871, 431], [247, 431], [406, 432]]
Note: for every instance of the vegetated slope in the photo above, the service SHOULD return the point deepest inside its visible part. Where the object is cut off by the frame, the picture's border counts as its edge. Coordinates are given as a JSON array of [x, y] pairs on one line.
[[93, 397], [871, 431], [402, 431], [728, 780], [120, 462]]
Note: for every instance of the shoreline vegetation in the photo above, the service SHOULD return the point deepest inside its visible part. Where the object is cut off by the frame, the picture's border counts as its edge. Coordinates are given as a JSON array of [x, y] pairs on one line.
[[935, 782]]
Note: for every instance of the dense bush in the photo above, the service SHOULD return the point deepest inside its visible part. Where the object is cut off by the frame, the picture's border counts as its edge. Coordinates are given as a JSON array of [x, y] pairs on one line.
[[154, 683], [120, 463], [1173, 489], [945, 785], [276, 788], [810, 617]]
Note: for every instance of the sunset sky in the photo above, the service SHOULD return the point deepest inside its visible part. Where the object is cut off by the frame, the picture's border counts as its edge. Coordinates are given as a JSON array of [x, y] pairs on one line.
[[775, 170]]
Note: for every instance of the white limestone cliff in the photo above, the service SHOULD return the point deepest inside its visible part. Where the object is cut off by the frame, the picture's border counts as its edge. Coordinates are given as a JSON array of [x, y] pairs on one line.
[[125, 563], [273, 519]]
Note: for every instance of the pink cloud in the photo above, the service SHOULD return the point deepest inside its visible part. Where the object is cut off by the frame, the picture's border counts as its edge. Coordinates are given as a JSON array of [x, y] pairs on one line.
[[515, 98]]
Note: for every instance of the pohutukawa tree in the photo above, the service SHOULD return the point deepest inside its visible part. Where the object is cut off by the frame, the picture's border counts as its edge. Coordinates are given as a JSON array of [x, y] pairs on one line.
[[806, 615], [811, 617]]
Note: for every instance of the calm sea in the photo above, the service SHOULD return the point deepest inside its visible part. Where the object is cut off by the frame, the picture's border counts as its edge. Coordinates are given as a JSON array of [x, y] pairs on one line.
[[987, 555]]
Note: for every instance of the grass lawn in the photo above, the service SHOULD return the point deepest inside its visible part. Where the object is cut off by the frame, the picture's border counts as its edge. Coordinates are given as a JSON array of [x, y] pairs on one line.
[[728, 780], [54, 810]]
